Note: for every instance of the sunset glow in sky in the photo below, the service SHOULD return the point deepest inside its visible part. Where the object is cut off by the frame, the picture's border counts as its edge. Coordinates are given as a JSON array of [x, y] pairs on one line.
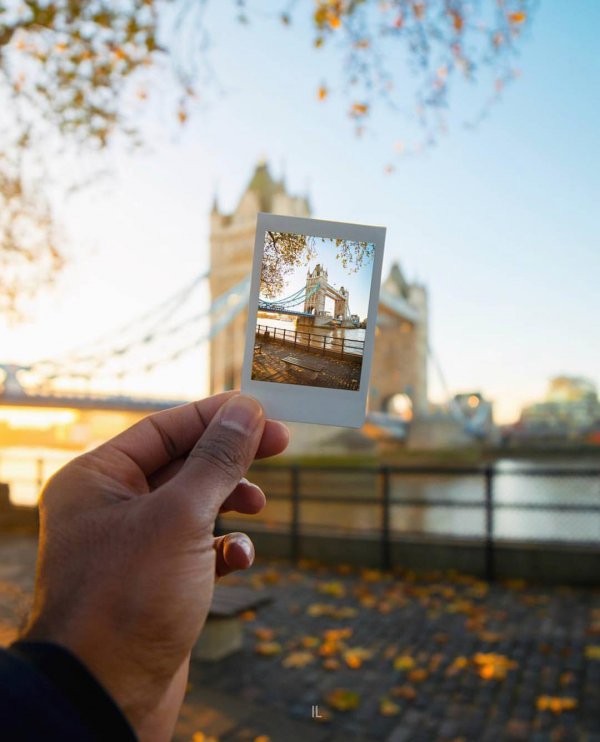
[[500, 222]]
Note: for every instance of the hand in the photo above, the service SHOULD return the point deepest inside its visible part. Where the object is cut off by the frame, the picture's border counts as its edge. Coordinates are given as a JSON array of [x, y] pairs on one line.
[[127, 559]]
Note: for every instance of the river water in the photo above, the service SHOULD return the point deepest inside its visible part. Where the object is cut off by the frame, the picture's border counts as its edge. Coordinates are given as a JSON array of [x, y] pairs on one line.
[[458, 510], [25, 468]]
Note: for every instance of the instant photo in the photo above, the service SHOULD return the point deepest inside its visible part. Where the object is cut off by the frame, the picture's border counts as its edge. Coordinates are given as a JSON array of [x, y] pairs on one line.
[[312, 316]]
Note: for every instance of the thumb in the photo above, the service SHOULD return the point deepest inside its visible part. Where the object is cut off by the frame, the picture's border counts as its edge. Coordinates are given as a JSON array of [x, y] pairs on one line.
[[222, 455]]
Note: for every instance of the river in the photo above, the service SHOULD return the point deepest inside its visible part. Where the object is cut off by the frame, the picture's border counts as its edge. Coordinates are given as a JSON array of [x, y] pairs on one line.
[[25, 468], [355, 336]]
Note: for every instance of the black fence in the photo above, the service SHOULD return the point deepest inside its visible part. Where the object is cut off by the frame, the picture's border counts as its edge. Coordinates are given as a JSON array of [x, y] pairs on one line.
[[294, 486], [344, 347]]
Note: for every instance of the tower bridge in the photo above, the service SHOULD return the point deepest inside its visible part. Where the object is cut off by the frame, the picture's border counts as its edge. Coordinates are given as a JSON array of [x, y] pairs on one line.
[[318, 289], [308, 303]]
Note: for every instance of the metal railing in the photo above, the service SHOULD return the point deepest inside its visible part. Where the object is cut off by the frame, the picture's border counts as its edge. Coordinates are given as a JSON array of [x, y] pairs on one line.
[[380, 490], [385, 500], [315, 342]]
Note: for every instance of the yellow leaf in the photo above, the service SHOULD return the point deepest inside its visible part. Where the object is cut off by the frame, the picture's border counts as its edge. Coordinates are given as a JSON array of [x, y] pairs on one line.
[[268, 649], [404, 662], [335, 589], [262, 738], [388, 708], [592, 651], [322, 93], [342, 699], [298, 659]]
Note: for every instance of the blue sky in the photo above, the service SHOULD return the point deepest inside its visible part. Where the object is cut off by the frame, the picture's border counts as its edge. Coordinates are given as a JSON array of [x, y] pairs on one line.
[[501, 223], [357, 282]]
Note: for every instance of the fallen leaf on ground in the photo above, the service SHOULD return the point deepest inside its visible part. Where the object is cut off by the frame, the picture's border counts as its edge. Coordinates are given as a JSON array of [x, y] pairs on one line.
[[298, 659], [335, 588], [404, 662], [404, 691], [388, 708], [268, 649], [592, 651], [556, 704], [342, 699]]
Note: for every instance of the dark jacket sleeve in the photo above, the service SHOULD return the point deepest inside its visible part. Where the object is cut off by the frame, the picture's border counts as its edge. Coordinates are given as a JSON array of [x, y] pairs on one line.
[[48, 694]]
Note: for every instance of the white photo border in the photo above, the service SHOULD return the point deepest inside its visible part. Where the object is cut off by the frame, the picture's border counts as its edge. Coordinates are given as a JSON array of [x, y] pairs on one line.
[[310, 404]]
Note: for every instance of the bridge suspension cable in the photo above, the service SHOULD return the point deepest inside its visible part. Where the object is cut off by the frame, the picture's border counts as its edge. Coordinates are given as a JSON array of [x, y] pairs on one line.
[[157, 315], [288, 302], [84, 365]]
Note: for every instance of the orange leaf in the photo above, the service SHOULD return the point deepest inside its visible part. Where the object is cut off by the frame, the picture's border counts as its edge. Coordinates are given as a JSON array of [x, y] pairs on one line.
[[404, 691], [322, 93], [359, 109], [519, 17], [457, 20]]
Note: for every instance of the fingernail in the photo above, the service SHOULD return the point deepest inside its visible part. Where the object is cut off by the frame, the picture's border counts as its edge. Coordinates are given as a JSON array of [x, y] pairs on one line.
[[242, 414], [246, 545]]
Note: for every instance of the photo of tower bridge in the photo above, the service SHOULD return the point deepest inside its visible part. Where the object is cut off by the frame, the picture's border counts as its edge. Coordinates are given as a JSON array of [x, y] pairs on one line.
[[307, 330]]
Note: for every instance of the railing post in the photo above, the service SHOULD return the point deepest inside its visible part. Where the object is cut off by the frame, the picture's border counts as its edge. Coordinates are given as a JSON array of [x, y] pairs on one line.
[[386, 556], [295, 514], [490, 565], [324, 341], [343, 341]]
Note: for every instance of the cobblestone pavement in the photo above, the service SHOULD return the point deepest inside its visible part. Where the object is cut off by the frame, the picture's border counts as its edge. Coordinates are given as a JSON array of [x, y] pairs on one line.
[[396, 657], [409, 658], [334, 373]]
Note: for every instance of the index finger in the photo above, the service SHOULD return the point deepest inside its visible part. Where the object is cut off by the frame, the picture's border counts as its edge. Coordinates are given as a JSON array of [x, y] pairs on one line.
[[166, 437], [163, 436]]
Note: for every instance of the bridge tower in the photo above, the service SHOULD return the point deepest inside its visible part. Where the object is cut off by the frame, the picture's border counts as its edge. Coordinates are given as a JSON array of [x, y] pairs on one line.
[[340, 309], [315, 304], [231, 248]]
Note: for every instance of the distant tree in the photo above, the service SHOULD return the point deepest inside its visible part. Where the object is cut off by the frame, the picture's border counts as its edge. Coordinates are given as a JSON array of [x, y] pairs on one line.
[[78, 72], [284, 252]]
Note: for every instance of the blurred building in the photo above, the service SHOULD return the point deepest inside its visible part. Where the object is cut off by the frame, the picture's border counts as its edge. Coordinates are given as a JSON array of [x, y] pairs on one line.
[[571, 409], [476, 413], [400, 361]]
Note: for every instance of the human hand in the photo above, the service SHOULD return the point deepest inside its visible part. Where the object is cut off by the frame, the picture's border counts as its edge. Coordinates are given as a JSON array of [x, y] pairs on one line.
[[127, 559]]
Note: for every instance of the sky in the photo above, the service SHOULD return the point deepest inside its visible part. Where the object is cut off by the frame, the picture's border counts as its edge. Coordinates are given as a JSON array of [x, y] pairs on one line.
[[356, 282], [501, 223]]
